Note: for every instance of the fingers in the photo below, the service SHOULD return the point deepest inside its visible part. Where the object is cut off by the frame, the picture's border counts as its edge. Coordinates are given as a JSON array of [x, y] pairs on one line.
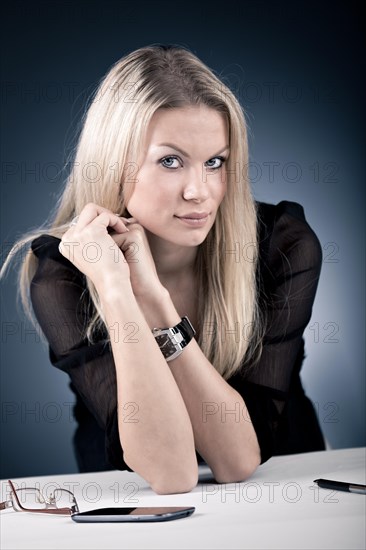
[[88, 213], [128, 220], [108, 219], [98, 215]]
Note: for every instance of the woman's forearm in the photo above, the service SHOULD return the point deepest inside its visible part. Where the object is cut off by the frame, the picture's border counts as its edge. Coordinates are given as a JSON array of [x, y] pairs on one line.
[[224, 434], [223, 431], [154, 426]]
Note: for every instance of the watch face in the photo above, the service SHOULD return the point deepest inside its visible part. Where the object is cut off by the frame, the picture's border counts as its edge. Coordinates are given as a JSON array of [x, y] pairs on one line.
[[165, 344], [170, 341]]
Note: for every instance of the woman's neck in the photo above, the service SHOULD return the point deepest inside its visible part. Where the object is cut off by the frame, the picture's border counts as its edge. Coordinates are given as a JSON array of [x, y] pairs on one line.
[[173, 263]]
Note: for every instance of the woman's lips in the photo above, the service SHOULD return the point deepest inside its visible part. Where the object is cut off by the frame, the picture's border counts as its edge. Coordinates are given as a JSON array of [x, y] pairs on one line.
[[194, 221]]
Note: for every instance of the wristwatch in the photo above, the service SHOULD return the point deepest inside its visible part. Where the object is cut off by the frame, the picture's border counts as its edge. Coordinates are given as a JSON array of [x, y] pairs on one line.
[[173, 340]]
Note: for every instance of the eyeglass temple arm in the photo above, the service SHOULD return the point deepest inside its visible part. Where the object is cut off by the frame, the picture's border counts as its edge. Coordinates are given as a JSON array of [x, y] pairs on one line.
[[15, 495], [8, 503]]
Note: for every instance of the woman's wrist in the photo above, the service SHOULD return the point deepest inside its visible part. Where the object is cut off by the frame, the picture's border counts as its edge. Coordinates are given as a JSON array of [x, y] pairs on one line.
[[159, 310], [113, 286]]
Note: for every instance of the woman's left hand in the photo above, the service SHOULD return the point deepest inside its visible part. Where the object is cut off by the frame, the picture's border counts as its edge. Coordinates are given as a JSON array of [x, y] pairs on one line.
[[145, 281]]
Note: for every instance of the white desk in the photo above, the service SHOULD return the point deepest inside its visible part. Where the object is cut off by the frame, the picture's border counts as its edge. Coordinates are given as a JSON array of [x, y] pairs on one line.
[[279, 507]]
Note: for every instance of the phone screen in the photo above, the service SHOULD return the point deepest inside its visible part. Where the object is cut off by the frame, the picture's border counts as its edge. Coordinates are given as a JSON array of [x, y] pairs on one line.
[[153, 513]]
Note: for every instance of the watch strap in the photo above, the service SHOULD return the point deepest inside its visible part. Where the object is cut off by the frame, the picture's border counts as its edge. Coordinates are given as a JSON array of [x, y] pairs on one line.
[[186, 328]]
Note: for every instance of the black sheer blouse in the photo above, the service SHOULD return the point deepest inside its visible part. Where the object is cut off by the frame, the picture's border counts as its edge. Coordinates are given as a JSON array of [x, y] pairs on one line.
[[283, 417]]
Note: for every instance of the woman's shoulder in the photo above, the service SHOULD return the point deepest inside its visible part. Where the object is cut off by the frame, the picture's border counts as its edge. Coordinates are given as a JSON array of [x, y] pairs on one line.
[[44, 244], [269, 213], [45, 247], [283, 227]]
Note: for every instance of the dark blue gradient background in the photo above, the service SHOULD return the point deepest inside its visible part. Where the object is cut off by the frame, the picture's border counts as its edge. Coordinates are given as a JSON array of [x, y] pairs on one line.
[[296, 68]]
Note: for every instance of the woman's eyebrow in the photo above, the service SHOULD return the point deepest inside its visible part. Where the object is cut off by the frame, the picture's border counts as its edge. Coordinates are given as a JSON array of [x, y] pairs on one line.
[[186, 154]]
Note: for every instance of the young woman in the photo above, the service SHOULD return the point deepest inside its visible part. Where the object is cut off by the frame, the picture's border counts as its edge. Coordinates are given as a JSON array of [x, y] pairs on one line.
[[174, 301]]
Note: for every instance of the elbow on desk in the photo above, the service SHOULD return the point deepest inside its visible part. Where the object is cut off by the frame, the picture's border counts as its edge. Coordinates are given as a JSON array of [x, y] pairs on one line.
[[176, 482], [168, 487], [238, 474], [171, 480]]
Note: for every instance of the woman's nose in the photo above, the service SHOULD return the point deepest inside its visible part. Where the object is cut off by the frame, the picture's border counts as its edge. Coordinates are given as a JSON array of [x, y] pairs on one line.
[[196, 186]]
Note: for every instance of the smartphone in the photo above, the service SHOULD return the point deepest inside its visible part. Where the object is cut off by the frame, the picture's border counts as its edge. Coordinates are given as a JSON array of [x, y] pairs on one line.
[[154, 513]]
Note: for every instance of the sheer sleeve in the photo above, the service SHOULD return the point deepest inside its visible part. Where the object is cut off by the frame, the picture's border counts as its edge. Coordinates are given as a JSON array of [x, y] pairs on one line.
[[288, 274], [56, 291]]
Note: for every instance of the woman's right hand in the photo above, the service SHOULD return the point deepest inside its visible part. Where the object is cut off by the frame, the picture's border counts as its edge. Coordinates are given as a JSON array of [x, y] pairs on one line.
[[90, 247]]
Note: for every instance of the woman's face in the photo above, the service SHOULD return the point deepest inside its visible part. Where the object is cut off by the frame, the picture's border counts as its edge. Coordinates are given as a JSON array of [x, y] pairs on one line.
[[181, 180]]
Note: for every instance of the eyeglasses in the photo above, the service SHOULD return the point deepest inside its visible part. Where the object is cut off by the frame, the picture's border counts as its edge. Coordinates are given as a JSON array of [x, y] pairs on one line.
[[30, 499]]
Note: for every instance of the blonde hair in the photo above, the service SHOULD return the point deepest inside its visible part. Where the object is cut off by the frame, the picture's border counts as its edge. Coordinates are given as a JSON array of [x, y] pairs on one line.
[[110, 143]]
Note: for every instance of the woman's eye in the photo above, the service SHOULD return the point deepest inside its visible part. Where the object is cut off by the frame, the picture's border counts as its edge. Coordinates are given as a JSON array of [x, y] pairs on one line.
[[219, 162], [167, 162]]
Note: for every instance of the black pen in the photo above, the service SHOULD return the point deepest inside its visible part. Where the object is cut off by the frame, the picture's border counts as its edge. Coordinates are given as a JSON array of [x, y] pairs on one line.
[[341, 486]]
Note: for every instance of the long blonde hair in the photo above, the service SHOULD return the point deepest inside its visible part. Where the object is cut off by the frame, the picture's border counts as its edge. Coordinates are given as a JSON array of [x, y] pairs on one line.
[[103, 169]]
